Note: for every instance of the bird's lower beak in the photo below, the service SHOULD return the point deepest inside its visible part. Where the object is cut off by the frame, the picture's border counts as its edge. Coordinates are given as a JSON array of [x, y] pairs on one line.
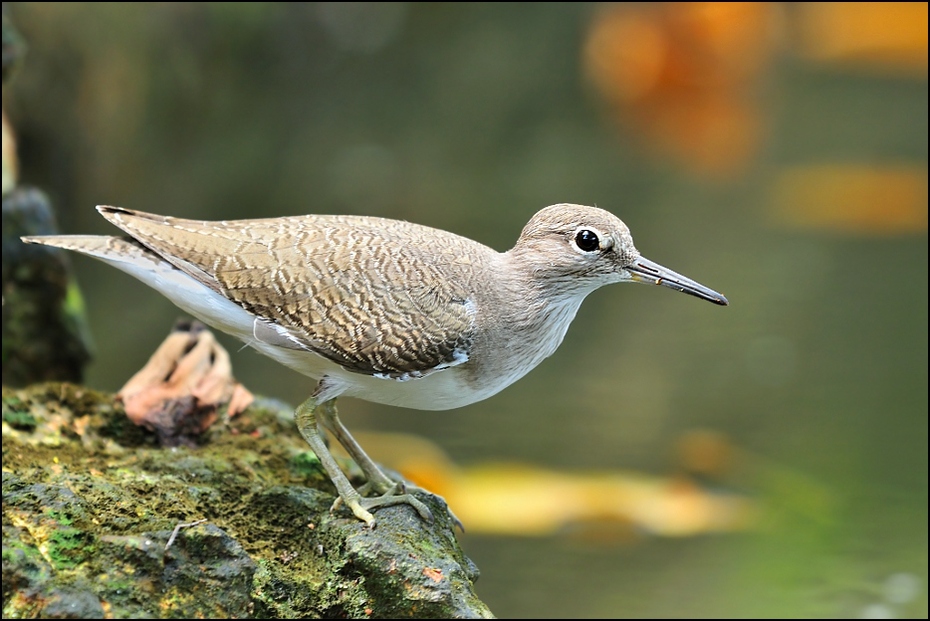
[[645, 271]]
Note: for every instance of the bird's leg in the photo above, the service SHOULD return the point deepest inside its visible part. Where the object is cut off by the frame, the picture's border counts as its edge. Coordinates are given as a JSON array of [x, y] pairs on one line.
[[391, 492], [376, 480], [306, 418]]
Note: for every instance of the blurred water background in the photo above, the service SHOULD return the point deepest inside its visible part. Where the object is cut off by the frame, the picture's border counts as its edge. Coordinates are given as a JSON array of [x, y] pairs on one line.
[[774, 152]]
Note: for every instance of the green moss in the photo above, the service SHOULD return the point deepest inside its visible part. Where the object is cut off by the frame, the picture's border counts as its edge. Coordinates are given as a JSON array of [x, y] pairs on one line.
[[306, 464], [24, 421], [16, 412], [18, 552], [67, 547], [62, 518], [93, 515]]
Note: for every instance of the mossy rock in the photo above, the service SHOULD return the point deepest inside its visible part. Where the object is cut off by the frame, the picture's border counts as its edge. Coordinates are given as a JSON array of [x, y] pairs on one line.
[[90, 502]]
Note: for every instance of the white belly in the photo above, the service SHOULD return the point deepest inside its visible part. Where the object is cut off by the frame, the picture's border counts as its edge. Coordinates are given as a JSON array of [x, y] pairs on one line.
[[440, 390]]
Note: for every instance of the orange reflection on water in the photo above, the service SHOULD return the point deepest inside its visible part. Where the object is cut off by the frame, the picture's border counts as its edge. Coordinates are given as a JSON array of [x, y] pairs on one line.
[[520, 499], [690, 78], [887, 37], [853, 198], [685, 75]]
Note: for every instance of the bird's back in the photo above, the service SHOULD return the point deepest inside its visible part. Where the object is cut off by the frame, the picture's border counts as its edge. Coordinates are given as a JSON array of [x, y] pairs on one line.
[[375, 296]]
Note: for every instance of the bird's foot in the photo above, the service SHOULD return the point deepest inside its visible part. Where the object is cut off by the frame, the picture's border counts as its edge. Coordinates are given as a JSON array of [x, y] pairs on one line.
[[362, 507], [383, 487], [455, 519], [406, 488], [390, 487]]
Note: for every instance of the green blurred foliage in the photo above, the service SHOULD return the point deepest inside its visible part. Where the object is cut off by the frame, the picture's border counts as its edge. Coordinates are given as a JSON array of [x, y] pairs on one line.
[[470, 118]]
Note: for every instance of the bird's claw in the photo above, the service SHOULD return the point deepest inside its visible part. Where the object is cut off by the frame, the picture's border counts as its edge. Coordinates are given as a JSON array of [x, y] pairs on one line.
[[362, 507]]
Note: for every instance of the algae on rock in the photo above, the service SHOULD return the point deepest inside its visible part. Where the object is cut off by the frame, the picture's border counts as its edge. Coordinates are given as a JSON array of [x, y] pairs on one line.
[[90, 501]]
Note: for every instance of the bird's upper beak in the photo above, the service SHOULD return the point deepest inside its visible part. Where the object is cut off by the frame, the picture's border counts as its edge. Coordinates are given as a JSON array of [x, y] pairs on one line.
[[645, 271]]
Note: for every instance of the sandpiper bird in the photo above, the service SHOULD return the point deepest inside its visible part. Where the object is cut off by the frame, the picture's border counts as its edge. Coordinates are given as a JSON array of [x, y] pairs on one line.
[[382, 310]]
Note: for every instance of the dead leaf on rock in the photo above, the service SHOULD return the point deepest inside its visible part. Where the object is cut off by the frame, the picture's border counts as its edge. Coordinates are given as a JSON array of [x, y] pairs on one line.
[[177, 393]]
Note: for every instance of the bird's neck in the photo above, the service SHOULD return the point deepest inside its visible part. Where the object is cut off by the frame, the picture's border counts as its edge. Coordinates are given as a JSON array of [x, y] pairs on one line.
[[539, 311]]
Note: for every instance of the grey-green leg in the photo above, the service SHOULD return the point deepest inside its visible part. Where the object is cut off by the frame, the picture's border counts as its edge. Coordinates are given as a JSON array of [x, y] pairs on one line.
[[376, 480], [305, 416]]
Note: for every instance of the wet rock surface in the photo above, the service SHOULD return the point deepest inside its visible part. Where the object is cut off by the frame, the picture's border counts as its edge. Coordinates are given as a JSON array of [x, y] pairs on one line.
[[90, 502]]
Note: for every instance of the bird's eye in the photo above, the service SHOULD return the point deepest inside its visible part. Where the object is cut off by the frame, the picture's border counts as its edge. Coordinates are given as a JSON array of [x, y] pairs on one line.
[[587, 240]]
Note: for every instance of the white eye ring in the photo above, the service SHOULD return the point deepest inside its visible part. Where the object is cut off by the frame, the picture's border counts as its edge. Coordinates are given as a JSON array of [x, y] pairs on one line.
[[588, 240]]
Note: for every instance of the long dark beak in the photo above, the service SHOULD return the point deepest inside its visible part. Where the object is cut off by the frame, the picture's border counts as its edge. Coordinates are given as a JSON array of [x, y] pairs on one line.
[[645, 271]]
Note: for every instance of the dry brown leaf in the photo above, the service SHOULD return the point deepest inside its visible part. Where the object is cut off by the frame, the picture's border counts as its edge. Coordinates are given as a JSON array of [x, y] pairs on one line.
[[178, 391]]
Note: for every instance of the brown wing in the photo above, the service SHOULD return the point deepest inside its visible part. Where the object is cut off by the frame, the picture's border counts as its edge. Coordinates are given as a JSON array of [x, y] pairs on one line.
[[380, 297]]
